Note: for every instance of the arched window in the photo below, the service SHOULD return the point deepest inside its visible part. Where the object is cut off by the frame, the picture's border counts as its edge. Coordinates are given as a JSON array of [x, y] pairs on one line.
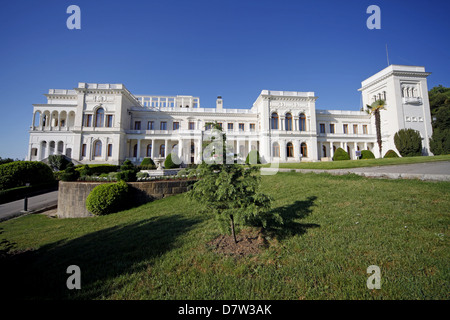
[[97, 148], [99, 117], [274, 121], [162, 150], [276, 150], [288, 122], [324, 151], [289, 150], [135, 151], [304, 149], [149, 150], [302, 122]]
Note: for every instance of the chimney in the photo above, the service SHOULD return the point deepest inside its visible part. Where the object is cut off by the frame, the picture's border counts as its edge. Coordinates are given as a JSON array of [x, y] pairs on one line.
[[219, 104]]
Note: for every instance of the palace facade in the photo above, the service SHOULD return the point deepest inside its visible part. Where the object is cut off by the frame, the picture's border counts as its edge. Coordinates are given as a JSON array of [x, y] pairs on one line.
[[106, 123]]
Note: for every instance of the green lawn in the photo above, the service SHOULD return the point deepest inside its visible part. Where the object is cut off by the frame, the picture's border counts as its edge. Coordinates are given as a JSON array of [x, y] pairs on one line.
[[335, 227], [361, 163]]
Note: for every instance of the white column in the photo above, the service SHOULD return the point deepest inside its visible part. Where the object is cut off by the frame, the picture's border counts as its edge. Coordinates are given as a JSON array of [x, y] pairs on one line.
[[331, 150], [166, 148], [199, 151], [138, 152], [365, 145], [180, 146], [355, 147], [152, 155]]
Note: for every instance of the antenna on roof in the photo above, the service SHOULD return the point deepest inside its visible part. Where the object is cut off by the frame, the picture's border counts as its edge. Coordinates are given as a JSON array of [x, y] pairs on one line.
[[387, 54]]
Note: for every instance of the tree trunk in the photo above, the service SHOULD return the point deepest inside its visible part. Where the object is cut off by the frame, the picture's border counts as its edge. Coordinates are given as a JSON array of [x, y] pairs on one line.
[[378, 128], [232, 228]]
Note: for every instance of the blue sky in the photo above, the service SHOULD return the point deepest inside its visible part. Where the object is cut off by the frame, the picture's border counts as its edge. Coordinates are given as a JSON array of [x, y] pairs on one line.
[[207, 48]]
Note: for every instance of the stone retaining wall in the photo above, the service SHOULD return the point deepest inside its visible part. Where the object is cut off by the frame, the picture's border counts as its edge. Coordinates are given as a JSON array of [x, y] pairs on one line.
[[72, 195]]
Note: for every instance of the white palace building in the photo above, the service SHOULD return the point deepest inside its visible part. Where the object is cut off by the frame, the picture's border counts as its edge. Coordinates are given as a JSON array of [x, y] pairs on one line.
[[106, 123]]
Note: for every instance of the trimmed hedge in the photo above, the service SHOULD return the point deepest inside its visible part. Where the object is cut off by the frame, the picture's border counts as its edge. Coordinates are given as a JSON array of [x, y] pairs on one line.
[[70, 174], [148, 162], [252, 155], [169, 164], [408, 142], [19, 173], [367, 154], [340, 155], [26, 191], [391, 154], [97, 169], [107, 198], [127, 172]]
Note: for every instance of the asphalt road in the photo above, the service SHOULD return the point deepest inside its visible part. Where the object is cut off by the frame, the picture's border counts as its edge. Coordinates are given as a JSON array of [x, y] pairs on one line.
[[13, 209]]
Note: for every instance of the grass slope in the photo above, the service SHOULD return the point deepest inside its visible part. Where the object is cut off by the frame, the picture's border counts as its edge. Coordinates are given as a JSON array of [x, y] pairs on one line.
[[335, 227]]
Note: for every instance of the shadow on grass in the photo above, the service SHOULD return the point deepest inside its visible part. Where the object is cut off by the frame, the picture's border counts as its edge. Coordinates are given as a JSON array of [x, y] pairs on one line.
[[101, 255], [290, 214]]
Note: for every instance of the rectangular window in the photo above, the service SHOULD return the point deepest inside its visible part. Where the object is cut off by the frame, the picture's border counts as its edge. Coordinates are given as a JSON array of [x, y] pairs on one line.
[[191, 125], [364, 129], [241, 127], [355, 129], [109, 121], [230, 127], [150, 125], [219, 124], [322, 128], [137, 125], [176, 125], [208, 127], [83, 150], [88, 120], [109, 150], [252, 127], [345, 128], [163, 125], [331, 127]]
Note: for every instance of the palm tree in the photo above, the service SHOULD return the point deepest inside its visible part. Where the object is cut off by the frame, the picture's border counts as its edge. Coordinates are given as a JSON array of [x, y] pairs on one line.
[[374, 109]]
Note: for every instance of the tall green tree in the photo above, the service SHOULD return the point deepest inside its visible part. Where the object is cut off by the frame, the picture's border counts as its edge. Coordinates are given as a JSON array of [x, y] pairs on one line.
[[374, 109], [231, 191], [439, 97]]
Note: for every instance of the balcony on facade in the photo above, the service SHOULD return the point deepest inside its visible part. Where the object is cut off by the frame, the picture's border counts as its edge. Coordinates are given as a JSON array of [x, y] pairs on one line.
[[412, 100]]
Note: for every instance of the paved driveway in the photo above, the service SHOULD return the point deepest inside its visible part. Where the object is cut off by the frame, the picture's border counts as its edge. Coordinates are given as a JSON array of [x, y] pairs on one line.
[[429, 168], [13, 209]]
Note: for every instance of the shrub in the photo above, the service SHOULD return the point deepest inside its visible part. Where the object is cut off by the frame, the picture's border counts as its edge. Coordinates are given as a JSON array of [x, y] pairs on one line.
[[340, 154], [253, 157], [142, 175], [70, 174], [107, 198], [367, 154], [127, 172], [19, 173], [85, 171], [98, 169], [440, 141], [169, 164], [408, 142], [148, 162], [57, 162], [391, 154]]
